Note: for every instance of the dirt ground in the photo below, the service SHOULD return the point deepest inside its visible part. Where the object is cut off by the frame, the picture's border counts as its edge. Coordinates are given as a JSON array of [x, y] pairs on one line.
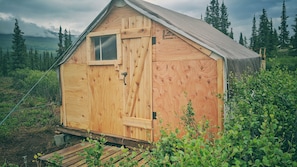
[[28, 142]]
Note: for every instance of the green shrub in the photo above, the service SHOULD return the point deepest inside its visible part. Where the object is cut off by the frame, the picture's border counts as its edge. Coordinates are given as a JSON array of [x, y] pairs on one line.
[[93, 154], [289, 62], [48, 87], [267, 96], [259, 128]]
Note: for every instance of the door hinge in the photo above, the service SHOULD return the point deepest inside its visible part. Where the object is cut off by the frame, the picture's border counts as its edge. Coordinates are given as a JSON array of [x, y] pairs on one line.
[[154, 115], [154, 40]]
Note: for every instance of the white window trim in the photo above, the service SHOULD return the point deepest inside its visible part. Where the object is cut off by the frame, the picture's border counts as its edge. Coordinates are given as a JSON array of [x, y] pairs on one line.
[[103, 62]]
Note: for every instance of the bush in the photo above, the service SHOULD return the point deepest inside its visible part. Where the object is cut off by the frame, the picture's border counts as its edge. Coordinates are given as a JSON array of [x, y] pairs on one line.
[[289, 62], [48, 87], [259, 128], [269, 96]]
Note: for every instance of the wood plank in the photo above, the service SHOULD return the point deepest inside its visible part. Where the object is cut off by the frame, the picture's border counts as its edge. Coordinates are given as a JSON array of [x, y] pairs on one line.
[[110, 138], [79, 55], [109, 152], [113, 21], [67, 151], [136, 33], [138, 122], [220, 75], [176, 47], [63, 119], [106, 100], [70, 161], [75, 95], [137, 75], [137, 104], [195, 45]]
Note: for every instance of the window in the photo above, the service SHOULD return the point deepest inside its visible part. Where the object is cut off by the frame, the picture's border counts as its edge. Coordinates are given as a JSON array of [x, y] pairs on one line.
[[104, 47]]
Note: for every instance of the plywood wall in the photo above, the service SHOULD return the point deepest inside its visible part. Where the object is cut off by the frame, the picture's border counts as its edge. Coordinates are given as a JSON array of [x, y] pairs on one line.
[[171, 47], [79, 56], [114, 19], [75, 98], [182, 73]]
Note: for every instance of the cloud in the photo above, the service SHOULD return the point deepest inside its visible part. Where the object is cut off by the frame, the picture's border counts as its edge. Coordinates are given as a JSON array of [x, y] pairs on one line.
[[70, 14], [76, 15], [29, 29], [5, 16]]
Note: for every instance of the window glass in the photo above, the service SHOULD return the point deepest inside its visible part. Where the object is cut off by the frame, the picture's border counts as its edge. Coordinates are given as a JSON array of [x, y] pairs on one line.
[[109, 47], [105, 47]]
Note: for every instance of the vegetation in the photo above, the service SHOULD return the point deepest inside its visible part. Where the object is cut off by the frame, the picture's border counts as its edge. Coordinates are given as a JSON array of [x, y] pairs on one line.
[[18, 55], [38, 110], [217, 16], [66, 37], [259, 129], [36, 117], [284, 33]]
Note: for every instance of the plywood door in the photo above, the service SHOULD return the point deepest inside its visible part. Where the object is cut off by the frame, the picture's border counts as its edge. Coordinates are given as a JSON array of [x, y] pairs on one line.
[[136, 48], [106, 102]]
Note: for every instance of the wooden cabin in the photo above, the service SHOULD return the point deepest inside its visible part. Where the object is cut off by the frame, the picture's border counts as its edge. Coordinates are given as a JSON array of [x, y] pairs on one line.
[[138, 64]]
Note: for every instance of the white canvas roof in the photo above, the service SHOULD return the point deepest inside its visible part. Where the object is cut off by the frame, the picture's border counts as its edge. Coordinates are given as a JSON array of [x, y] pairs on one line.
[[237, 57]]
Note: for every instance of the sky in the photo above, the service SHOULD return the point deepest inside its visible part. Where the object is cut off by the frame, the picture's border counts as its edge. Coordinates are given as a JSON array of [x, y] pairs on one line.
[[75, 15]]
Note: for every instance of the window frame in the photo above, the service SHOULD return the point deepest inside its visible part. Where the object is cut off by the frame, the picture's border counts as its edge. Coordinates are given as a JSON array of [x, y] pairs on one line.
[[90, 48]]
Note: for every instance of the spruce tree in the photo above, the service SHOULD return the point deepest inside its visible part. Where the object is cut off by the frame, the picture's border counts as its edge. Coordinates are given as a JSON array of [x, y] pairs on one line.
[[213, 14], [1, 61], [224, 22], [4, 63], [66, 40], [271, 45], [294, 37], [241, 41], [263, 36], [69, 39], [36, 59], [60, 44], [19, 53], [231, 34], [254, 37], [245, 41], [284, 33], [31, 58], [207, 17]]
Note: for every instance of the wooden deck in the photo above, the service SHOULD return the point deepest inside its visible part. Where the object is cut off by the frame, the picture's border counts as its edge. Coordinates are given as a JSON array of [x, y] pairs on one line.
[[72, 156]]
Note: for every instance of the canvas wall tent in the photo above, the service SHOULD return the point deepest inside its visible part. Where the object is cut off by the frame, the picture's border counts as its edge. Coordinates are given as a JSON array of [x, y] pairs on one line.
[[137, 62]]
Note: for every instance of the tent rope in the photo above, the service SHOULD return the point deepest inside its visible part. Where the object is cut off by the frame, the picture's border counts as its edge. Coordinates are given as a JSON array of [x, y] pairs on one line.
[[32, 88]]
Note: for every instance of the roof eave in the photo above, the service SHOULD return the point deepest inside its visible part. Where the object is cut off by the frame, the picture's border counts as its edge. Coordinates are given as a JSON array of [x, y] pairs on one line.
[[83, 35]]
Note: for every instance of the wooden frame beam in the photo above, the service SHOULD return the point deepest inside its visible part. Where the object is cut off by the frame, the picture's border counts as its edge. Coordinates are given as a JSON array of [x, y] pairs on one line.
[[110, 138]]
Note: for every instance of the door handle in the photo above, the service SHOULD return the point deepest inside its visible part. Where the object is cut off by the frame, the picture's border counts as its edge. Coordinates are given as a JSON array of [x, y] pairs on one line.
[[124, 74]]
